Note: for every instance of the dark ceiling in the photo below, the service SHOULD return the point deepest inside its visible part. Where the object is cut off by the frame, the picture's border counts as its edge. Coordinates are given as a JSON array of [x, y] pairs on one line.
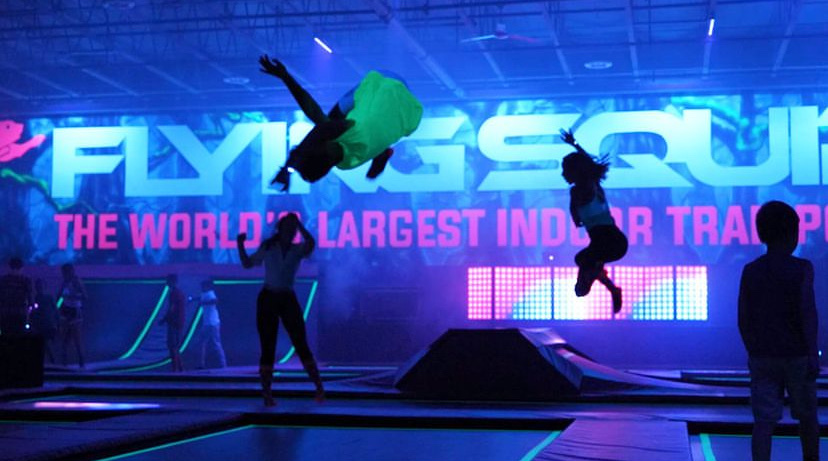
[[64, 56]]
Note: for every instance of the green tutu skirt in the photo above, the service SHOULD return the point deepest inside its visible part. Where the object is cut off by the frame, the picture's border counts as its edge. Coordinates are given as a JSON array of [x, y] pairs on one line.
[[384, 112]]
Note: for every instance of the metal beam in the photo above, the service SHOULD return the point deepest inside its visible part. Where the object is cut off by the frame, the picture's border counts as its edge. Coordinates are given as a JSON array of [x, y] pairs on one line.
[[553, 35], [12, 93], [628, 7], [44, 81], [472, 28], [783, 47], [426, 61], [109, 81], [708, 41]]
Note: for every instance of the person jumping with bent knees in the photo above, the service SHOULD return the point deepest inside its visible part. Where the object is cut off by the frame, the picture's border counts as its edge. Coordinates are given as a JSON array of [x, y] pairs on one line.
[[589, 208], [360, 128], [277, 300]]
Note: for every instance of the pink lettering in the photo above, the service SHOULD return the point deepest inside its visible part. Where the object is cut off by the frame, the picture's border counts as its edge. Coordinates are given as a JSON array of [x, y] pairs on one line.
[[678, 213], [348, 233], [734, 226], [448, 223], [524, 228], [147, 227], [548, 215], [640, 225], [474, 216], [63, 221], [401, 237], [502, 235], [179, 233], [810, 219], [205, 230], [425, 230], [84, 233], [106, 231], [705, 222], [322, 239], [373, 226]]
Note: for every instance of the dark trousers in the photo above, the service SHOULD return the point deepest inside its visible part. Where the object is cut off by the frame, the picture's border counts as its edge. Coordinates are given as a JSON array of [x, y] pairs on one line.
[[271, 306], [606, 244]]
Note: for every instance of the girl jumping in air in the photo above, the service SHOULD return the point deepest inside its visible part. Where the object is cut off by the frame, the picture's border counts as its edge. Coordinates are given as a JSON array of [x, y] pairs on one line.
[[360, 128], [589, 208]]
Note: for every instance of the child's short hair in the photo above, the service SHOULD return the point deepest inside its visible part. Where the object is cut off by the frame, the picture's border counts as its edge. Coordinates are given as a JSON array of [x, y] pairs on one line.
[[776, 222]]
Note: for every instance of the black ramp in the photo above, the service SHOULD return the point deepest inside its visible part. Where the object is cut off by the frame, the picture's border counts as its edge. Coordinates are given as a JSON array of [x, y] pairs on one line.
[[502, 364], [620, 440]]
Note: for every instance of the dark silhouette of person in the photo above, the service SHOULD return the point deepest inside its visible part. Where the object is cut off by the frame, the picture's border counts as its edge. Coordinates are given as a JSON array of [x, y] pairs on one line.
[[360, 128], [175, 318], [15, 300], [589, 208], [277, 300], [45, 318], [778, 325], [71, 312], [210, 337]]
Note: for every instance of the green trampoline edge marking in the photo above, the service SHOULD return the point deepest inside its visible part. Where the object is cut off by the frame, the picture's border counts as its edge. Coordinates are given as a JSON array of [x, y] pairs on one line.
[[543, 444], [311, 295], [160, 303], [148, 325], [184, 344], [171, 444], [193, 328], [707, 448], [144, 367]]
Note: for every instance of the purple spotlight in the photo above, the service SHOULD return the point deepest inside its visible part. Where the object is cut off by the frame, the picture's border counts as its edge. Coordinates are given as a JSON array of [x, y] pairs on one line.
[[322, 44], [710, 26]]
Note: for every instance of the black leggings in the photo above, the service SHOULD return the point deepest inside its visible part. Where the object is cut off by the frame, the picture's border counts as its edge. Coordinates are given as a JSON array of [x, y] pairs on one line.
[[272, 306], [606, 244]]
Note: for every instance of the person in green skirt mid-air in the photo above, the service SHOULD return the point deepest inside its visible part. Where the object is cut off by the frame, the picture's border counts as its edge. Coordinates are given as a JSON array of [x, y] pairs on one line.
[[360, 128]]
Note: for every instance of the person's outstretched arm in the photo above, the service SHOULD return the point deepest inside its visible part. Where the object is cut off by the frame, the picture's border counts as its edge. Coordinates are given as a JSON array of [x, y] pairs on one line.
[[306, 102], [308, 240], [248, 261], [569, 138]]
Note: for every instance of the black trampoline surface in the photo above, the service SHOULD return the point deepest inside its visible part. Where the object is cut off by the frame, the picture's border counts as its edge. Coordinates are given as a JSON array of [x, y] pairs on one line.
[[286, 443], [734, 447]]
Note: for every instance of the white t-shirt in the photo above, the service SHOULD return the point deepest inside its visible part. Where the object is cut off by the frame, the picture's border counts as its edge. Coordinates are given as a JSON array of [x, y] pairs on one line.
[[280, 269], [209, 306]]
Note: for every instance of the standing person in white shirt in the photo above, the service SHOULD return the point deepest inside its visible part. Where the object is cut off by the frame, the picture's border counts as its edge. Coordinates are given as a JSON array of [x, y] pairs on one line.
[[210, 324], [277, 300]]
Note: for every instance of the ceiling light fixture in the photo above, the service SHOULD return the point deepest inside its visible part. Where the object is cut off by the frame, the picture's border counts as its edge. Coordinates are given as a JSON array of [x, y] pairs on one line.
[[710, 26], [598, 65], [323, 44], [119, 5], [236, 80]]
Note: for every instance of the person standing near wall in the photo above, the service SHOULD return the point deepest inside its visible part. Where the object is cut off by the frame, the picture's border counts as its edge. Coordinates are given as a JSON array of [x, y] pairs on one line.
[[175, 320], [778, 325], [71, 312], [15, 299], [277, 300], [210, 324]]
